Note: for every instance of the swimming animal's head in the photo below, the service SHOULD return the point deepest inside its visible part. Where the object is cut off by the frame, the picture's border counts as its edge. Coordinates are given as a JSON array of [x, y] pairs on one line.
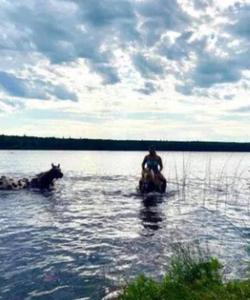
[[56, 171], [146, 174]]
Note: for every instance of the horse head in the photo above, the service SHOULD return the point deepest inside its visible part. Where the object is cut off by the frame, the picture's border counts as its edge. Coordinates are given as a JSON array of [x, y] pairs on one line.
[[147, 175], [146, 183], [55, 171]]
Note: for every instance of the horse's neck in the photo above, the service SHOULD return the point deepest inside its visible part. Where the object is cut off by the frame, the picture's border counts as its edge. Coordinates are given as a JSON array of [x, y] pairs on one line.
[[40, 174], [46, 178]]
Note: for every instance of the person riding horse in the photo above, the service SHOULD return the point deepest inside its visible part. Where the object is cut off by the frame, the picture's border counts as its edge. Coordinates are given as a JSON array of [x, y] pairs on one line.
[[151, 170]]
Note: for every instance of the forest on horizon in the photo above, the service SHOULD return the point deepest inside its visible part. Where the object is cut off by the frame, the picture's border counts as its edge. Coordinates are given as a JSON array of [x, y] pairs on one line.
[[52, 143]]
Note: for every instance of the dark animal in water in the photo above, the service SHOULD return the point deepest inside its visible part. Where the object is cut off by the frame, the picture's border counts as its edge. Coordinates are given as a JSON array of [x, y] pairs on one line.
[[149, 183], [41, 181]]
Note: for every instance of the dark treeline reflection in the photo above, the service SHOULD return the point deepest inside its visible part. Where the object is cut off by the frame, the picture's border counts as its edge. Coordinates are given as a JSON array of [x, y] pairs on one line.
[[51, 143]]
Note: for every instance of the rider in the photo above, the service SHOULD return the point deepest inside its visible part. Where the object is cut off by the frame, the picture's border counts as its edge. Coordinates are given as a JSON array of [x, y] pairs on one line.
[[154, 164]]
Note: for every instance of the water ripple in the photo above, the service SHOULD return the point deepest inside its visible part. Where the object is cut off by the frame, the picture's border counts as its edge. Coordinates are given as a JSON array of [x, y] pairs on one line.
[[95, 230]]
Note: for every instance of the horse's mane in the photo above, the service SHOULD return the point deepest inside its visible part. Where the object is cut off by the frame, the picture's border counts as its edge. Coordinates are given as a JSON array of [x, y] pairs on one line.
[[41, 174]]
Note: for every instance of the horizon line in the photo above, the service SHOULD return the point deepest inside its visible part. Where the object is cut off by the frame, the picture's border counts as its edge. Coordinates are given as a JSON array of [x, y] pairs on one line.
[[121, 140]]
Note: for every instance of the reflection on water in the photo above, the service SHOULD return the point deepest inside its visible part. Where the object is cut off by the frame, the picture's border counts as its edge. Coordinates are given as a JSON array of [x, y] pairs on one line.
[[150, 213], [94, 230]]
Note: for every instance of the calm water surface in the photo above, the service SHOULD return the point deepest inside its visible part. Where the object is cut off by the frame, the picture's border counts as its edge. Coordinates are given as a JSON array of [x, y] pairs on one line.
[[95, 231]]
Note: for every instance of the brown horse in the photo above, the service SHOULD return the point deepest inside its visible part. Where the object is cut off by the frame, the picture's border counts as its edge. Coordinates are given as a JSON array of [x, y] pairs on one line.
[[150, 182], [41, 181]]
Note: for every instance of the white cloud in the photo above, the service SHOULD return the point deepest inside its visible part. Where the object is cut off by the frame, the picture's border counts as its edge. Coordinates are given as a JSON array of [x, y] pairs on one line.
[[125, 69]]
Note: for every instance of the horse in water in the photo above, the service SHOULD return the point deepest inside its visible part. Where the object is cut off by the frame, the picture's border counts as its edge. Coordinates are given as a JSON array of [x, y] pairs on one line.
[[150, 183], [41, 181]]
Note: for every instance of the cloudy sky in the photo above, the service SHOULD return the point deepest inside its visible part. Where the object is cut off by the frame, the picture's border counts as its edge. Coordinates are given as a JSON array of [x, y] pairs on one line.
[[126, 69]]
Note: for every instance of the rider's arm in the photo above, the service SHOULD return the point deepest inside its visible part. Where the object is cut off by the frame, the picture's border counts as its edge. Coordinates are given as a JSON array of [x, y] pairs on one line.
[[160, 164], [144, 162]]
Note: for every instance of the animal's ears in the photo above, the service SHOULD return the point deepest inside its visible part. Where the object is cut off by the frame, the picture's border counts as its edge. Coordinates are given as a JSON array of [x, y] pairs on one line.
[[54, 166]]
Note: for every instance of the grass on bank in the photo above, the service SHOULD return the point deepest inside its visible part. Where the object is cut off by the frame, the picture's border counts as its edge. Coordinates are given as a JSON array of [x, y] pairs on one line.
[[188, 278]]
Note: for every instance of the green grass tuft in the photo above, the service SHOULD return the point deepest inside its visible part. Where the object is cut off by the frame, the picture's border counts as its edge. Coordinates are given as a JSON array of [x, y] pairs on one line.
[[189, 278]]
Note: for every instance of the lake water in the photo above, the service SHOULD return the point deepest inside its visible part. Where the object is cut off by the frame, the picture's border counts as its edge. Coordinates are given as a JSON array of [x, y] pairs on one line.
[[94, 232]]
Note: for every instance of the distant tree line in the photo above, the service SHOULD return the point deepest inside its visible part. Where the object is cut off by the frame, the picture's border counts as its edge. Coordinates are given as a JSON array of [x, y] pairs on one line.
[[52, 143]]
